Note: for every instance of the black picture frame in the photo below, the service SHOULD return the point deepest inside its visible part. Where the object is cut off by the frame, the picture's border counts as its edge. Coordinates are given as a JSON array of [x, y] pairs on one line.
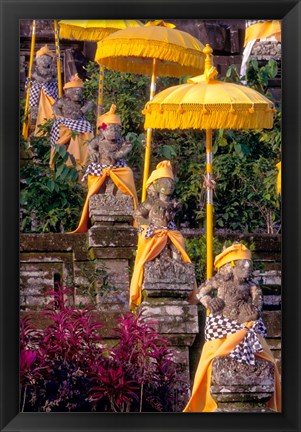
[[289, 11]]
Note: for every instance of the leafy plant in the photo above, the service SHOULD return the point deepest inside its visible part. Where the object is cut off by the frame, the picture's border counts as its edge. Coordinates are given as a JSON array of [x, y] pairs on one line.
[[66, 367], [50, 199], [144, 376]]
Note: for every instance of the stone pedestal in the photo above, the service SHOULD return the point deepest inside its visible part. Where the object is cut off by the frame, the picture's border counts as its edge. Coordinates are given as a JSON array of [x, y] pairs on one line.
[[112, 240], [166, 289], [238, 387]]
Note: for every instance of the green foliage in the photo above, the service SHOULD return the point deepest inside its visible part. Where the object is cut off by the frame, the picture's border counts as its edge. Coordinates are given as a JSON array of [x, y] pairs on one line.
[[258, 77], [129, 92], [95, 284], [196, 249], [245, 197], [50, 200]]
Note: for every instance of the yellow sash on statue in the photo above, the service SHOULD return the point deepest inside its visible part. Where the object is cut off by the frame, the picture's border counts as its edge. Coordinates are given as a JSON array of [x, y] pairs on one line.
[[44, 111], [123, 179], [78, 147], [263, 30], [147, 250], [201, 399]]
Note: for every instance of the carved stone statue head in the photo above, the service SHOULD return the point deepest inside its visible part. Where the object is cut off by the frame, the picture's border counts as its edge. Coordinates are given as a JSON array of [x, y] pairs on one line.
[[164, 186], [74, 93]]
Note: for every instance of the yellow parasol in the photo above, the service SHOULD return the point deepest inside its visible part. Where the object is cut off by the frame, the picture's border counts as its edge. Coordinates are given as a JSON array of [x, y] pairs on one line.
[[94, 30], [155, 49], [206, 103]]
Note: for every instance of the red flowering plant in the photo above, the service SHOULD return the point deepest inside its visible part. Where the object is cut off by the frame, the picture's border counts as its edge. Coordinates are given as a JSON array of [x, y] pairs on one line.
[[142, 375], [66, 367], [61, 356]]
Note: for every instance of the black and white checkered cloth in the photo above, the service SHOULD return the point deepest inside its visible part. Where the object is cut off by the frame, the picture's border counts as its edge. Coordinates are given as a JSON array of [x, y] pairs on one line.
[[149, 231], [218, 327], [95, 168], [50, 89], [80, 126]]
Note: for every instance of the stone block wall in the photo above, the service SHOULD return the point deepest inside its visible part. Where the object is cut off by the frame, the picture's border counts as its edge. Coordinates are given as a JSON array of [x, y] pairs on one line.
[[108, 260]]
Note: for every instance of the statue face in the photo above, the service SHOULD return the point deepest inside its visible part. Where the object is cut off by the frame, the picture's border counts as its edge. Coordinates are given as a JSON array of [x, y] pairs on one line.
[[165, 186], [112, 132], [75, 93], [44, 61], [242, 269]]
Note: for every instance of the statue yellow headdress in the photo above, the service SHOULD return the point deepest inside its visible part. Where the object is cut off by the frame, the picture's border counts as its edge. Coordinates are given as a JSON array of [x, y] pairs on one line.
[[163, 169], [74, 82], [109, 117], [232, 253], [44, 51]]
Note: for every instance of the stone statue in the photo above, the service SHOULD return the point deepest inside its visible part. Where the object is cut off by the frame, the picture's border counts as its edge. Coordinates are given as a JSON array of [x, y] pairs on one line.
[[69, 112], [235, 359], [43, 87], [111, 193], [44, 67], [161, 247], [72, 105], [159, 208], [237, 296], [108, 148]]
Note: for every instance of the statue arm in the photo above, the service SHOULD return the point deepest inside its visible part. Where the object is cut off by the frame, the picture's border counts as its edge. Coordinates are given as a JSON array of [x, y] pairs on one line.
[[87, 107], [124, 149], [256, 295], [94, 149], [57, 108], [204, 292], [142, 212], [214, 304]]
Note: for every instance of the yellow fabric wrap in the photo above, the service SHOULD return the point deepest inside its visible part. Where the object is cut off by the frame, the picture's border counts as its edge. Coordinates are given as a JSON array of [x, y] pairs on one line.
[[78, 146], [44, 111], [263, 30], [109, 117], [163, 170], [232, 253], [45, 51], [123, 179], [75, 82], [147, 250], [201, 399]]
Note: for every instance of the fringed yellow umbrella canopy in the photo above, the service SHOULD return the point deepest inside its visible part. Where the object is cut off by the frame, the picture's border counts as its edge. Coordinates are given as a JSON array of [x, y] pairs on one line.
[[206, 103], [155, 49], [93, 31]]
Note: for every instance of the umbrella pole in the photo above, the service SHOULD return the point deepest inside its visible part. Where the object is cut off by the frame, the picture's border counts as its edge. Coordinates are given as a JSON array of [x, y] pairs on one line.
[[209, 204], [100, 93], [26, 113], [58, 60], [148, 135]]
